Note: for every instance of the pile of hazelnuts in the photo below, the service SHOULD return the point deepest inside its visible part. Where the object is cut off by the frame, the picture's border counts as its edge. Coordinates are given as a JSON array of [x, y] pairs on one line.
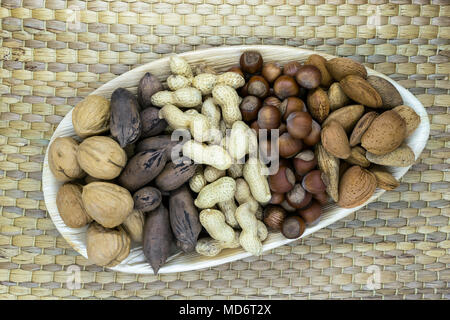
[[273, 98]]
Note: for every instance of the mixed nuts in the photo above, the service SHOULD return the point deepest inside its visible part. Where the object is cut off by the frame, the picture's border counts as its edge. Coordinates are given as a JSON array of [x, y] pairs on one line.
[[207, 161]]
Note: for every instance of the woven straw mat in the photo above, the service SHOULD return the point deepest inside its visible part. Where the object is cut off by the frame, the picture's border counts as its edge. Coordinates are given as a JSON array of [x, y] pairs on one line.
[[54, 52]]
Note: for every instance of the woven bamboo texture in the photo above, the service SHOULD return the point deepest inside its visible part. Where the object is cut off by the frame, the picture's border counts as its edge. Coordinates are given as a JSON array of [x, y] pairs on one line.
[[55, 52]]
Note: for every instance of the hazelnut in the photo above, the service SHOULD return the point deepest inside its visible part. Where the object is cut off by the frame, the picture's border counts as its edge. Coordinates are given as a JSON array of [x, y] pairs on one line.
[[277, 198], [298, 197], [285, 86], [299, 124], [288, 146], [314, 136], [321, 197], [311, 213], [251, 61], [258, 86], [282, 128], [237, 70], [272, 101], [254, 125], [243, 91], [291, 68], [290, 105], [286, 206], [274, 217], [293, 227], [269, 117], [298, 177], [304, 162], [308, 76], [249, 107], [271, 71], [312, 182], [282, 181]]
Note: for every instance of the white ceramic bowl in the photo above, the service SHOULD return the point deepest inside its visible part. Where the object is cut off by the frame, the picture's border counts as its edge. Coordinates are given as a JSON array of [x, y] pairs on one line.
[[220, 58]]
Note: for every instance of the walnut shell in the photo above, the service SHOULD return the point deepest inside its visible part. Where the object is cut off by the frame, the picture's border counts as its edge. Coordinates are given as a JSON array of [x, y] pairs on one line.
[[101, 157], [356, 186], [107, 203], [107, 247], [90, 116], [134, 225], [70, 206], [62, 159]]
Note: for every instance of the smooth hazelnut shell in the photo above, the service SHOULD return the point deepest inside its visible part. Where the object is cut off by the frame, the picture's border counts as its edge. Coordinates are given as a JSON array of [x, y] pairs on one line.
[[274, 217], [314, 136], [291, 104], [291, 68], [285, 86], [308, 76], [302, 166], [237, 70], [293, 227], [272, 101], [271, 71], [249, 107], [288, 146], [312, 182], [299, 124], [258, 86], [269, 117], [322, 198], [311, 213], [282, 181], [298, 197], [251, 61], [282, 128], [277, 198], [243, 92]]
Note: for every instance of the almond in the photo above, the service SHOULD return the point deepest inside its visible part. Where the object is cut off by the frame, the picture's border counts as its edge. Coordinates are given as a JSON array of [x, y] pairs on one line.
[[410, 117], [347, 116], [403, 156], [357, 185], [359, 90], [361, 127], [334, 140], [329, 165], [320, 63], [339, 68], [337, 96], [385, 180], [318, 104], [385, 134], [389, 94], [358, 157]]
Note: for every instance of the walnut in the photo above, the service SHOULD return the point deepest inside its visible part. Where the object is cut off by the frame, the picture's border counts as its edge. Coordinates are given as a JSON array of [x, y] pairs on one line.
[[70, 206], [101, 157], [107, 247], [107, 203], [134, 225], [62, 159], [90, 116]]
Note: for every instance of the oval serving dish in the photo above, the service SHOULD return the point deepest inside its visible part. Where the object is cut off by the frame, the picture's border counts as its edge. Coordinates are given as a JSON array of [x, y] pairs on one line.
[[221, 58]]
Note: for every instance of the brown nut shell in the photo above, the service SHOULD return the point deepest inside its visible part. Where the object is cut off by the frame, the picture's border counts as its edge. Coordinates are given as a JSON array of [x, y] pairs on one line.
[[313, 183], [125, 122], [304, 162], [311, 213], [251, 61], [277, 198], [318, 104], [361, 126], [152, 125], [274, 217], [285, 86], [356, 186], [403, 156], [308, 76], [335, 141], [258, 87], [293, 227], [314, 136], [70, 206], [282, 181], [134, 226], [389, 94], [62, 159], [411, 118], [148, 86], [347, 116], [320, 63], [90, 116], [290, 105], [358, 157], [341, 67], [359, 90], [271, 71], [337, 97], [107, 203], [101, 157], [175, 174], [289, 146], [330, 167], [299, 124], [147, 199], [385, 180], [249, 107], [107, 247], [385, 134]]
